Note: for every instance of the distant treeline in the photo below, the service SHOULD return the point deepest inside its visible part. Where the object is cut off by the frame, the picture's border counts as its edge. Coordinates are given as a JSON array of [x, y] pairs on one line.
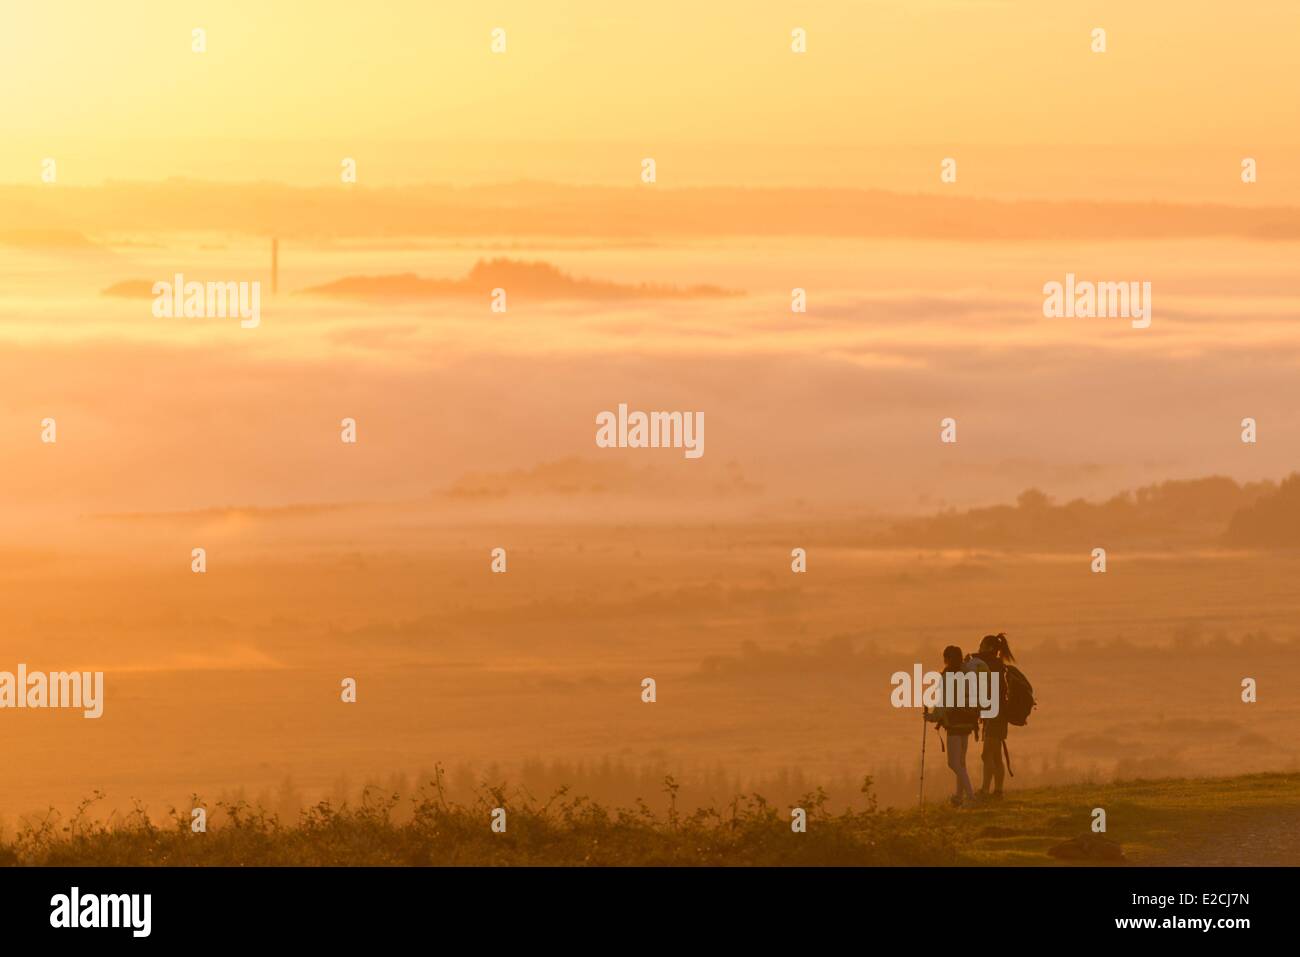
[[1208, 511]]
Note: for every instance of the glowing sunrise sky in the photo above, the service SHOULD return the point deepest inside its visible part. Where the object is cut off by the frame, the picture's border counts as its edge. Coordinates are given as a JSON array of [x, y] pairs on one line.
[[586, 88]]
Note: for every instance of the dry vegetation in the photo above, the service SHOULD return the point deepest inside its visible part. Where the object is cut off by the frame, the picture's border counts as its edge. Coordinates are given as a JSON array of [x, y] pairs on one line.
[[562, 830], [1251, 819]]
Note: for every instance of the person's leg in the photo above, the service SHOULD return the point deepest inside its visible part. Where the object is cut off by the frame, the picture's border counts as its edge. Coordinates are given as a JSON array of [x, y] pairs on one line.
[[954, 764], [957, 761], [993, 747]]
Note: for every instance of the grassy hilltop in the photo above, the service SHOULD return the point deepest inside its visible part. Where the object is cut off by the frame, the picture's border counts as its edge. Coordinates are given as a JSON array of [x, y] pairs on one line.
[[1253, 819]]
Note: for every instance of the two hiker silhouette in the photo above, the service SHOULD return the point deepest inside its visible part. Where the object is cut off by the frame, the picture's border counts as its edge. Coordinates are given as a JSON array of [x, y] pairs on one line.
[[994, 657]]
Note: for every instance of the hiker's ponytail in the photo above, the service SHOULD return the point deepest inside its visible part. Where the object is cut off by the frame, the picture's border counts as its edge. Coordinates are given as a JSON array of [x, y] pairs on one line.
[[997, 645]]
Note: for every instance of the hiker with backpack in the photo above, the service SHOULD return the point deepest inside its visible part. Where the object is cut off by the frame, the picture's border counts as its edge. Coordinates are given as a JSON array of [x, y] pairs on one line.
[[1016, 700], [959, 724]]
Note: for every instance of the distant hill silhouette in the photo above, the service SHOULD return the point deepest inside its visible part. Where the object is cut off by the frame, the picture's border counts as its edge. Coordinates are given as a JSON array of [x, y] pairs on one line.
[[633, 214], [1272, 521], [587, 478], [1196, 511], [534, 280]]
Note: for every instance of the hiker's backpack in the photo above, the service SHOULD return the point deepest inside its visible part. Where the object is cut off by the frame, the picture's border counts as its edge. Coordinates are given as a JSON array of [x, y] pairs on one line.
[[1020, 696], [960, 719], [963, 719]]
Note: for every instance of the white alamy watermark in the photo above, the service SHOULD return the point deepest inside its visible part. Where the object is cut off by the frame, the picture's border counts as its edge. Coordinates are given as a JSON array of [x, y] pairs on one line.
[[651, 430], [1098, 300], [75, 909], [946, 689], [208, 300], [53, 689]]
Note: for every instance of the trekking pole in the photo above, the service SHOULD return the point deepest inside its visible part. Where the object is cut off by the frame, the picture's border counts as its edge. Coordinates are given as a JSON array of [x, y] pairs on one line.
[[925, 733]]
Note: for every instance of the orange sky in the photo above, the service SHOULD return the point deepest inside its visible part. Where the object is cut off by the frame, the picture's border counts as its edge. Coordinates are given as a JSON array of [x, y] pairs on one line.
[[586, 88], [477, 428]]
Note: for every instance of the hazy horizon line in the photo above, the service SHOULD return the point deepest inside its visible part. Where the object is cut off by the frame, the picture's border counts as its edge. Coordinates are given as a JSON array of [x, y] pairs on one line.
[[534, 208]]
